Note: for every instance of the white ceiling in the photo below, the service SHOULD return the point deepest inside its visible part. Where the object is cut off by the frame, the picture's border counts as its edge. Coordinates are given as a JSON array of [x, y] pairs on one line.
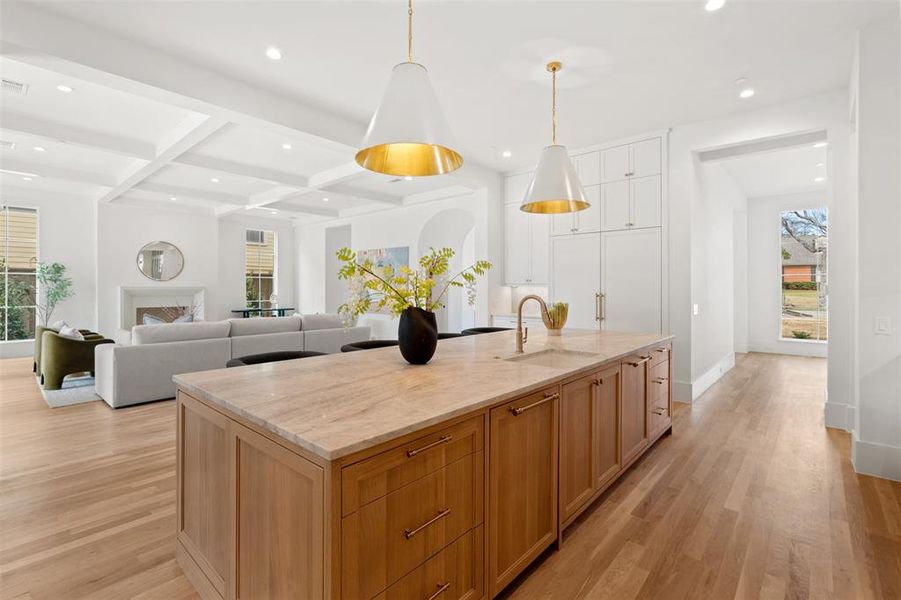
[[629, 66], [785, 171]]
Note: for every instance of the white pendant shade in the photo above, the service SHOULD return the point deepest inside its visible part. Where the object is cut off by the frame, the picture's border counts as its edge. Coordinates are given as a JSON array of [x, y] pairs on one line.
[[555, 187], [408, 134]]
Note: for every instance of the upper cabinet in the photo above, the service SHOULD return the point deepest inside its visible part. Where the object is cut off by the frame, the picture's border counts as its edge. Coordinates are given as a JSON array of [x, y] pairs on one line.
[[639, 159], [588, 166], [526, 248], [632, 203], [584, 221], [515, 187]]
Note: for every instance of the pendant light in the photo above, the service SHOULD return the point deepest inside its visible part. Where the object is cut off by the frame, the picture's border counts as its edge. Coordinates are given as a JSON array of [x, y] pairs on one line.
[[555, 187], [408, 135]]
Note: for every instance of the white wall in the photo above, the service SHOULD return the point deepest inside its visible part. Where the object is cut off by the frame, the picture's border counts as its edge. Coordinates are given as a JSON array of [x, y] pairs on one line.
[[404, 226], [66, 234], [765, 273], [827, 112], [876, 96]]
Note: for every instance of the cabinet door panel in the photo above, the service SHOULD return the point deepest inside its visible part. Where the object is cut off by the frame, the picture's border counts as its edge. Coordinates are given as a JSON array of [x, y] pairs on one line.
[[631, 280], [516, 245], [606, 450], [646, 202], [659, 407], [523, 485], [615, 206], [515, 187], [646, 157], [588, 166], [575, 277], [576, 475], [589, 220], [563, 224], [539, 247], [634, 422], [615, 163]]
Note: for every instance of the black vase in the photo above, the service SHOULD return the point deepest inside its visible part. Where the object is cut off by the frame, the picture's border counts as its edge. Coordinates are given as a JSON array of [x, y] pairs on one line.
[[417, 335]]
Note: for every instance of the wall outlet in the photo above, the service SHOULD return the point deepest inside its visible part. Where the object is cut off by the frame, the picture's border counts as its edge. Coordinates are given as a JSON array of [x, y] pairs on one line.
[[882, 326], [695, 310]]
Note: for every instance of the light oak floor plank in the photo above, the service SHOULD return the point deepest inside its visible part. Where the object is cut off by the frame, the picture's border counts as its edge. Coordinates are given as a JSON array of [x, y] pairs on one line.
[[751, 497]]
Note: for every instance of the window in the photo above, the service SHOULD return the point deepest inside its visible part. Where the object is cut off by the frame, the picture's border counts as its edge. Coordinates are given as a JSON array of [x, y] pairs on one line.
[[18, 260], [804, 274], [260, 273]]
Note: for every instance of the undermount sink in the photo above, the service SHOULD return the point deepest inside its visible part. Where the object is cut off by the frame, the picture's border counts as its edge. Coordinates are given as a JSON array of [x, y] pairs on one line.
[[556, 359]]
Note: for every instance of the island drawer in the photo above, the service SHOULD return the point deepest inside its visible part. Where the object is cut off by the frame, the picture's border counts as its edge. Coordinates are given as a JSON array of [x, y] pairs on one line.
[[375, 477], [660, 354], [388, 538], [455, 573]]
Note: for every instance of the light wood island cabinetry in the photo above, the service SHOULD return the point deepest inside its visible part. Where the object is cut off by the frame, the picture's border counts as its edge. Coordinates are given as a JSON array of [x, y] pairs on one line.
[[389, 481]]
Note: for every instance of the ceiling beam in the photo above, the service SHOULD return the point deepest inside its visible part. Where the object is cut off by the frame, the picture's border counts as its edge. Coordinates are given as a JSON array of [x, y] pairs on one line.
[[364, 194], [245, 170], [340, 174], [288, 207], [260, 199], [52, 172], [76, 136], [178, 191], [188, 134]]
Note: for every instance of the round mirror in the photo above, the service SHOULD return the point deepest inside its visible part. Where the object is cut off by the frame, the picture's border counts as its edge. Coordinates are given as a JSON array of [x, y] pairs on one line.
[[160, 261]]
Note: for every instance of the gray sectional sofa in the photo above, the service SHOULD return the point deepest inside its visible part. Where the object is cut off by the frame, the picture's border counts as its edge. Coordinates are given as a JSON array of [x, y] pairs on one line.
[[140, 366]]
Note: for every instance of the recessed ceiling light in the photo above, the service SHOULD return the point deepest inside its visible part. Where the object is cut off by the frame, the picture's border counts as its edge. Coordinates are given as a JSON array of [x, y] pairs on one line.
[[214, 179], [26, 179], [820, 144], [714, 5], [286, 146], [506, 154], [819, 179], [39, 149], [273, 53], [173, 198], [746, 93], [325, 199], [408, 178], [64, 88]]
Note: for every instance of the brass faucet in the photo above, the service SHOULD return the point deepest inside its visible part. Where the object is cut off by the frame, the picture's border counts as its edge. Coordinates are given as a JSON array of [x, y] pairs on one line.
[[523, 338]]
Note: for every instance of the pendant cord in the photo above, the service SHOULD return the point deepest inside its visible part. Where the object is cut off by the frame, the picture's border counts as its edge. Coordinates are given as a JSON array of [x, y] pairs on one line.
[[409, 30], [554, 106]]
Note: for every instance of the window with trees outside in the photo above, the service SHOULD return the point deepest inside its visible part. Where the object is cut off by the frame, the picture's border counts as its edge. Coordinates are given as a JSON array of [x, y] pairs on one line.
[[18, 261], [260, 249], [804, 274]]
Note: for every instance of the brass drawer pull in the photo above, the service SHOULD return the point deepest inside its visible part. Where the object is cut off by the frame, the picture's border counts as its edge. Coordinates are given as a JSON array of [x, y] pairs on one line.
[[518, 410], [662, 349], [442, 440], [442, 587], [598, 382], [643, 360], [659, 411], [408, 533], [660, 380]]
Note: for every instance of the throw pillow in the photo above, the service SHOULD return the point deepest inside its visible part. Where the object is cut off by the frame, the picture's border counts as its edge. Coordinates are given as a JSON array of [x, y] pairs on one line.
[[71, 333], [59, 325], [188, 318], [151, 320]]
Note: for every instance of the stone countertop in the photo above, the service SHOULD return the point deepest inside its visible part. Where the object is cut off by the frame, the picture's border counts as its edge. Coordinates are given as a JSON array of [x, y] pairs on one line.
[[339, 404]]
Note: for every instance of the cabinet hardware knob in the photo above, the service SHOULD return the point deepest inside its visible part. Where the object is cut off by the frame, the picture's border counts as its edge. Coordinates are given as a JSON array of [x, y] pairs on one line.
[[442, 587], [442, 440], [518, 410], [408, 533], [599, 381], [643, 360], [659, 411]]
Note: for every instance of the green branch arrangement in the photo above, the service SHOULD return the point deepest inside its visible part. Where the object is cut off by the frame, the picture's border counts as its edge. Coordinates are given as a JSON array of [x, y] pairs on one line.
[[385, 287]]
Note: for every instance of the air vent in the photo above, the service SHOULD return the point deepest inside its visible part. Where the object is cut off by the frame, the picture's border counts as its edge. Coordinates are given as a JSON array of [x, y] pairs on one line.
[[14, 87], [7, 145]]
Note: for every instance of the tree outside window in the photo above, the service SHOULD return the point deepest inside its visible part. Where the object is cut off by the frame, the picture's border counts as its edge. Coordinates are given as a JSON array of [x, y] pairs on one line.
[[260, 249], [18, 281], [805, 278]]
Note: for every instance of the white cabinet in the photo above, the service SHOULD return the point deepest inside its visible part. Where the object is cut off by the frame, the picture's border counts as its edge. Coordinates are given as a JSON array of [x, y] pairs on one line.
[[510, 321], [639, 159], [584, 221], [525, 247], [631, 203], [576, 277], [588, 166], [515, 187], [631, 279]]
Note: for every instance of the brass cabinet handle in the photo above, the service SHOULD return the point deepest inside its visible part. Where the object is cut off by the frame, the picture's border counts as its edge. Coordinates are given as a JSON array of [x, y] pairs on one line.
[[442, 587], [664, 349], [659, 411], [660, 380], [602, 307], [643, 360], [597, 307], [408, 533], [442, 440], [518, 410], [599, 381]]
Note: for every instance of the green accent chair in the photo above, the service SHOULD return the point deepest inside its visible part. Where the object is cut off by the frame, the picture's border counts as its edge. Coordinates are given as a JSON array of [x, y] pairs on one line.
[[38, 338], [61, 356]]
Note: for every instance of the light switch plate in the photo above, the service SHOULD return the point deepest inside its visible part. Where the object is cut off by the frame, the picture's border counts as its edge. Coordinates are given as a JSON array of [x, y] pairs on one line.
[[882, 326], [695, 310]]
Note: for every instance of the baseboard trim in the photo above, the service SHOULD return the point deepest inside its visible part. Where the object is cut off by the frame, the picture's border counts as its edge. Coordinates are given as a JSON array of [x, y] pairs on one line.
[[703, 383], [682, 392], [836, 415], [878, 460]]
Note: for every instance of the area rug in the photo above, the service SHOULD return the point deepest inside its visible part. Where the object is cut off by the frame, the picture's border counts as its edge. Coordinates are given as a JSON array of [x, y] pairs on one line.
[[75, 390]]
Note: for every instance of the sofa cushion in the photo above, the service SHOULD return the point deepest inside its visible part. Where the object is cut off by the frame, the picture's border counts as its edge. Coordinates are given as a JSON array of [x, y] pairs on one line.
[[258, 325], [179, 332], [322, 321]]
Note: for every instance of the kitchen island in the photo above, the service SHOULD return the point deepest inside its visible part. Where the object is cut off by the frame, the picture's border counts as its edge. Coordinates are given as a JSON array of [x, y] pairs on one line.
[[360, 476]]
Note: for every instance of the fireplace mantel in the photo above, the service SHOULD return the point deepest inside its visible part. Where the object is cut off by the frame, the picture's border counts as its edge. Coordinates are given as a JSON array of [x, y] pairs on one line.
[[134, 297]]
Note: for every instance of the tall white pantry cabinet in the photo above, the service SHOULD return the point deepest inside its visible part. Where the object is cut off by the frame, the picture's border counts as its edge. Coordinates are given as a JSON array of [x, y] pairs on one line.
[[607, 262]]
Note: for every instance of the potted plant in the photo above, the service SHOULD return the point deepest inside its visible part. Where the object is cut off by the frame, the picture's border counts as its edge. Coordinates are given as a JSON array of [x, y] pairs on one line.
[[54, 286], [408, 293]]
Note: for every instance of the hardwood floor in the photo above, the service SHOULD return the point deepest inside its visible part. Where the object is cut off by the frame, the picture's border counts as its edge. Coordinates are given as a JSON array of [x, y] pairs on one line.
[[750, 498]]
